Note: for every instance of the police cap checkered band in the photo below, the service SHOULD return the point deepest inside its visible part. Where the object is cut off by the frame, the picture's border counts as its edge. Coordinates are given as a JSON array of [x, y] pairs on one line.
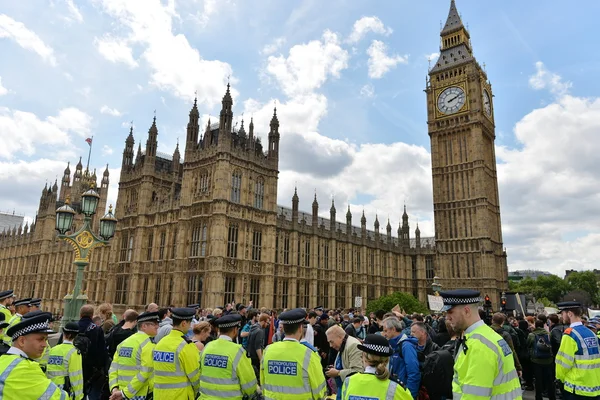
[[455, 301], [30, 325], [293, 321], [229, 324], [148, 317], [377, 349]]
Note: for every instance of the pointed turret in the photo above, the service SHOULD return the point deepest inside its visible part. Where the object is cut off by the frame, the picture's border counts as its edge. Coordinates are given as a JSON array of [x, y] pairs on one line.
[[193, 128], [226, 116], [105, 176], [455, 47], [332, 216], [404, 233], [295, 202], [55, 186], [315, 211], [78, 171], [404, 218], [251, 130], [388, 228], [26, 229], [67, 172], [418, 237], [274, 136], [152, 142], [138, 157], [376, 223], [363, 219], [348, 221], [128, 151], [454, 22], [176, 158]]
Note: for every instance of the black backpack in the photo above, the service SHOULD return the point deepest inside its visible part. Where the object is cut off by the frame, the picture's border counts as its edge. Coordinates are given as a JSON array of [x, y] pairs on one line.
[[82, 343], [437, 371], [542, 349]]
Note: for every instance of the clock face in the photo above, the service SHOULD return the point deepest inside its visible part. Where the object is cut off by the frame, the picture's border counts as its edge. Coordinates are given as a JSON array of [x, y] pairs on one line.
[[487, 103], [451, 100]]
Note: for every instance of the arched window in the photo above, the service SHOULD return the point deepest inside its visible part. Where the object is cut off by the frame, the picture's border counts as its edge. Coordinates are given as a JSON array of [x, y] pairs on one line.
[[259, 193], [204, 182], [236, 186]]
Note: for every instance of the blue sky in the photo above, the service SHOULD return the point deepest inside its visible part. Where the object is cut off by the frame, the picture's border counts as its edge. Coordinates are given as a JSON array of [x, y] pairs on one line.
[[348, 78]]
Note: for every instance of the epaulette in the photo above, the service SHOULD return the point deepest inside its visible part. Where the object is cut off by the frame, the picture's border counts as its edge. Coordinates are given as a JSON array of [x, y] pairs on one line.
[[394, 378], [568, 331], [188, 341], [91, 326]]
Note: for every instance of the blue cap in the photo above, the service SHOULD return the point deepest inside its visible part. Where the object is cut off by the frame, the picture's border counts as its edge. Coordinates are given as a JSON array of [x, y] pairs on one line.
[[459, 297], [295, 316], [229, 321], [183, 313], [6, 294]]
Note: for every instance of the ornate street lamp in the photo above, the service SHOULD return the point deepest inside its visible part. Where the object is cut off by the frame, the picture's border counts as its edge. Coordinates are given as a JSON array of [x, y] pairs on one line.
[[83, 242], [436, 286]]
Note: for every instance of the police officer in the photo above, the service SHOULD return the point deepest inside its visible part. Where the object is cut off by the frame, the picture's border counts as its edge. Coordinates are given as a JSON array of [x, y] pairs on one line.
[[64, 364], [375, 382], [35, 304], [130, 374], [176, 361], [484, 365], [290, 370], [225, 370], [578, 358], [3, 325], [21, 308], [21, 377], [35, 310]]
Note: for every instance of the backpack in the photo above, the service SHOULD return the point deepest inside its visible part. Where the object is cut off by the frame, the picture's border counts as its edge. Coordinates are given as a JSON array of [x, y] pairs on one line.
[[541, 346], [82, 343], [436, 373]]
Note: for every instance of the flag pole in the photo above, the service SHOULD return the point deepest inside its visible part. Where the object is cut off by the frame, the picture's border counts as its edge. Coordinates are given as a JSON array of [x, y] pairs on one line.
[[89, 154]]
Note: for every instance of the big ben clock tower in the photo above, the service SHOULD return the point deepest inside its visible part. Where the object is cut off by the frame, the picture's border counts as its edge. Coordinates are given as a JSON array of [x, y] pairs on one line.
[[460, 118]]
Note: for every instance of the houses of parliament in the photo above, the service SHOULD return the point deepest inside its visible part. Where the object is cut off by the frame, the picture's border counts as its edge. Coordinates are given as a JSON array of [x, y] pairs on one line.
[[205, 228]]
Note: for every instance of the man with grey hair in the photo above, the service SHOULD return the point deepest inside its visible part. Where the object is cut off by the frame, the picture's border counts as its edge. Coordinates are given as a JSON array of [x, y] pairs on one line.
[[425, 345], [404, 363], [349, 357]]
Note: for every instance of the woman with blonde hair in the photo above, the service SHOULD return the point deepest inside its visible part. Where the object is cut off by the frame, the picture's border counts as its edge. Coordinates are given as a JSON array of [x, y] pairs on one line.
[[375, 382], [105, 312], [201, 331]]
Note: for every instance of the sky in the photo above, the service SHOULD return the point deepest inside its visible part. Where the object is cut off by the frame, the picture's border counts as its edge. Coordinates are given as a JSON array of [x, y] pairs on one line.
[[347, 78]]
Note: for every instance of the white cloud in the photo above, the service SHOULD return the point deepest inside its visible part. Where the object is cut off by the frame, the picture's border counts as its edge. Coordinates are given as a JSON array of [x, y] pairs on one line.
[[52, 131], [366, 25], [9, 28], [544, 79], [3, 90], [379, 62], [273, 47], [309, 65], [115, 50], [110, 111], [176, 66], [106, 150], [367, 91], [74, 11], [209, 8], [432, 56]]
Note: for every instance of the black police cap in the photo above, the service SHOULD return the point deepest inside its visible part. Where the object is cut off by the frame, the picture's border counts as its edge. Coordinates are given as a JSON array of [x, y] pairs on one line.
[[186, 314], [295, 316], [148, 317], [229, 321], [5, 294], [39, 323], [376, 345], [459, 297]]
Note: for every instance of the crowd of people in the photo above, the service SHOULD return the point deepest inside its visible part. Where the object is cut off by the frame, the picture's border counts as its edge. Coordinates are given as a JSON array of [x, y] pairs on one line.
[[240, 352]]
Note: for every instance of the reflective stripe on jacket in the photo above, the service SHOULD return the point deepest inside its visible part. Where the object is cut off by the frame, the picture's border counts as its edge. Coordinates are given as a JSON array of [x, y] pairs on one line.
[[486, 370], [578, 362], [23, 379], [132, 366], [176, 368], [226, 371], [368, 386], [65, 360], [291, 371]]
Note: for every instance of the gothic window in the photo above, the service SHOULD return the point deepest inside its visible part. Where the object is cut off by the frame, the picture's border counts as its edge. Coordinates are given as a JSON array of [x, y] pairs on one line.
[[276, 249], [299, 253], [122, 285], [203, 242], [325, 299], [371, 256], [124, 246], [194, 288], [161, 248], [158, 290], [286, 249], [259, 193], [144, 290], [326, 256], [396, 269], [340, 295], [204, 185], [149, 249], [370, 292], [254, 291], [196, 232], [385, 271], [236, 186], [256, 245], [307, 253], [429, 268], [302, 293], [284, 293], [174, 244], [414, 277], [358, 261], [229, 295], [343, 259], [232, 241]]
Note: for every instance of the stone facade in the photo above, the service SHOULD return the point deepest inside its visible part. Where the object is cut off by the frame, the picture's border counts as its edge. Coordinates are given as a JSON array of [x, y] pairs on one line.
[[207, 229], [466, 205]]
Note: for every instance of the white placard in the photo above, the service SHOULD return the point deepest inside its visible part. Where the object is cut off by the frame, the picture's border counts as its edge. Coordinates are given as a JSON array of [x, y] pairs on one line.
[[436, 303], [357, 302]]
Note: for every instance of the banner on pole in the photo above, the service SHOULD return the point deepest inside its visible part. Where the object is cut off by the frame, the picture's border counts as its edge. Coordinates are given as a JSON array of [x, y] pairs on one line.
[[357, 302], [436, 303]]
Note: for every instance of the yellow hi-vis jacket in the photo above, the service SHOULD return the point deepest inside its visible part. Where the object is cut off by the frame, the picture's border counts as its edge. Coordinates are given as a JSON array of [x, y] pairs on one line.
[[368, 386], [176, 368], [23, 379], [65, 360], [291, 371], [484, 367], [578, 362], [43, 360], [132, 366], [7, 317], [226, 371], [15, 319]]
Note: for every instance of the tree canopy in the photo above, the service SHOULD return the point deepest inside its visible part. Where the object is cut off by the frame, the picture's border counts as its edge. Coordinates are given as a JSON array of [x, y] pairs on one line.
[[406, 302], [553, 288]]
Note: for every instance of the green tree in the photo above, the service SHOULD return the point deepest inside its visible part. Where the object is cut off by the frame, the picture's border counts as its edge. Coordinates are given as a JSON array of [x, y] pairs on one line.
[[550, 287], [585, 281], [406, 301]]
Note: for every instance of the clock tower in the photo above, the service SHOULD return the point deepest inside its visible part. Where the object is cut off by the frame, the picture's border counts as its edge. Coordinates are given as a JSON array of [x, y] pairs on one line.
[[460, 119]]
